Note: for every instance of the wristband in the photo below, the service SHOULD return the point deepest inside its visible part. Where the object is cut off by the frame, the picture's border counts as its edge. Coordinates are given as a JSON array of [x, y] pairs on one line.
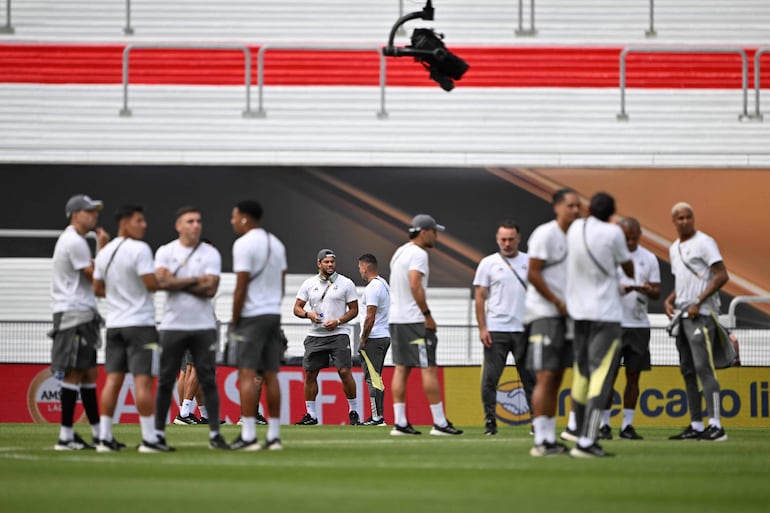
[[305, 314], [426, 313]]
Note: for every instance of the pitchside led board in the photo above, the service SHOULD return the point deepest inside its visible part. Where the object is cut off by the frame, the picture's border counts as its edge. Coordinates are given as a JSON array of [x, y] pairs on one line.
[[34, 397]]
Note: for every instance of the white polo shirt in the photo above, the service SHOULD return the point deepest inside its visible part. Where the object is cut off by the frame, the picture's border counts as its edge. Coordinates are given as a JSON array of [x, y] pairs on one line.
[[700, 252], [329, 298], [70, 289], [185, 311], [636, 304], [403, 307], [547, 243], [591, 294], [250, 255], [506, 292], [131, 304], [377, 293]]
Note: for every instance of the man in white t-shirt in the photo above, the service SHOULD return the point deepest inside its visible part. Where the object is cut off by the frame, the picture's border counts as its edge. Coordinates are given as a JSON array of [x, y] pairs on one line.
[[413, 329], [500, 287], [595, 248], [76, 323], [699, 274], [635, 342], [188, 270], [550, 346], [124, 274], [375, 333], [332, 302], [259, 264]]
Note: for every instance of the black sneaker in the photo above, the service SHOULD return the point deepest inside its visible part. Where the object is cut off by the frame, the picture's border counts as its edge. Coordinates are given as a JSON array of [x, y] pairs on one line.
[[371, 422], [86, 446], [205, 420], [404, 430], [449, 429], [605, 433], [355, 420], [569, 435], [629, 433], [153, 447], [688, 434], [713, 434], [261, 420], [273, 445], [307, 420], [548, 449], [490, 427], [593, 451], [218, 443], [109, 446], [190, 420], [243, 445]]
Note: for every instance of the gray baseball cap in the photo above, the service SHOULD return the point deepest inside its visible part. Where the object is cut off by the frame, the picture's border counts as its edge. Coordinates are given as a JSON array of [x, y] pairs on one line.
[[425, 222], [82, 202], [326, 253]]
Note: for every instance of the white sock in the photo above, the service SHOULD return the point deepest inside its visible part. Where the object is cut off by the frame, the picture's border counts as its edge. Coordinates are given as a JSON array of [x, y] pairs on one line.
[[628, 417], [105, 428], [248, 428], [310, 406], [605, 417], [273, 428], [186, 408], [714, 421], [352, 404], [540, 424], [148, 428], [66, 433], [697, 425], [572, 423], [584, 441], [550, 434], [204, 412], [399, 414], [437, 410]]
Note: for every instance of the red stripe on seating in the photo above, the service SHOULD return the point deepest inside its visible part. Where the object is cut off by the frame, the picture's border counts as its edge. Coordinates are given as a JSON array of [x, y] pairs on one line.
[[490, 67]]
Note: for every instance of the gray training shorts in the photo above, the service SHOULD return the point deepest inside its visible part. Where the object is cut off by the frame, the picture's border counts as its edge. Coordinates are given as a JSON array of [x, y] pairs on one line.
[[260, 345], [132, 349], [318, 350], [548, 349], [413, 345]]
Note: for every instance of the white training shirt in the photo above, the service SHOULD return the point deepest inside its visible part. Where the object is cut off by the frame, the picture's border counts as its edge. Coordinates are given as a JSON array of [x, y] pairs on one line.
[[377, 293], [403, 307], [547, 243], [185, 311], [700, 252], [591, 294], [131, 304], [70, 289], [334, 304], [506, 292], [250, 252], [635, 304]]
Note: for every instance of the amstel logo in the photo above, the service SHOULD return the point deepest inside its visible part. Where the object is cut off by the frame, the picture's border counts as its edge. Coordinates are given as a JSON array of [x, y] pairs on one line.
[[43, 398], [511, 405]]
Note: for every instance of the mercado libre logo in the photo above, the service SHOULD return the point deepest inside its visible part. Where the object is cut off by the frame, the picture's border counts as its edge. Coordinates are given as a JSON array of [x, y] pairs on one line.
[[511, 405], [43, 398]]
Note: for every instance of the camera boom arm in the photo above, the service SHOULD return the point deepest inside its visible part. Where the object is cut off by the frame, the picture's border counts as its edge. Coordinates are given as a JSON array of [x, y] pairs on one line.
[[427, 13]]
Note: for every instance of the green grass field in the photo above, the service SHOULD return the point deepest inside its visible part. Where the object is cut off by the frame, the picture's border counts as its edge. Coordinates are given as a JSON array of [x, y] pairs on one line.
[[339, 468]]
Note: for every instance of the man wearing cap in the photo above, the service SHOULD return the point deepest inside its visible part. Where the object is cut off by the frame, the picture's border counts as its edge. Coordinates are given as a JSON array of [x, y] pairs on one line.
[[332, 302], [413, 329], [259, 264], [76, 323]]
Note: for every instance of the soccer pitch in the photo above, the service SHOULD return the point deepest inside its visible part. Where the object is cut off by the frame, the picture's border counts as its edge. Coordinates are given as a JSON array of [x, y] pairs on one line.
[[338, 468]]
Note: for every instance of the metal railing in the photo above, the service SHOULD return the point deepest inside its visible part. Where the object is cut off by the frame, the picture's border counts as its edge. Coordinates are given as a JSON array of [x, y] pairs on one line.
[[758, 79], [531, 31], [742, 300], [126, 112], [623, 116], [650, 32], [128, 30], [7, 28], [382, 114]]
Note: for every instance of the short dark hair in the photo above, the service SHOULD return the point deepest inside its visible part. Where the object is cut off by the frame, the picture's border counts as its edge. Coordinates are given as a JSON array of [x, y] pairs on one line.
[[629, 223], [186, 210], [368, 259], [251, 208], [602, 206], [509, 223], [559, 195], [127, 211]]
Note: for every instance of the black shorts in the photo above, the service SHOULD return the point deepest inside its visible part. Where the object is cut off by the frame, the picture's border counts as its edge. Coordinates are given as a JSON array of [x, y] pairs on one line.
[[635, 349], [260, 343]]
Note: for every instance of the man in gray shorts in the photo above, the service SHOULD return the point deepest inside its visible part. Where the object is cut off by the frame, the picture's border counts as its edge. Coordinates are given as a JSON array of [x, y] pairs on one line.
[[333, 302], [595, 249]]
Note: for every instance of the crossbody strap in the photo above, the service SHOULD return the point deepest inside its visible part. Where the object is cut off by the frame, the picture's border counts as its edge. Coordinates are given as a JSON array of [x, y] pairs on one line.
[[523, 283], [267, 260], [184, 262], [112, 256], [684, 262], [588, 250]]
